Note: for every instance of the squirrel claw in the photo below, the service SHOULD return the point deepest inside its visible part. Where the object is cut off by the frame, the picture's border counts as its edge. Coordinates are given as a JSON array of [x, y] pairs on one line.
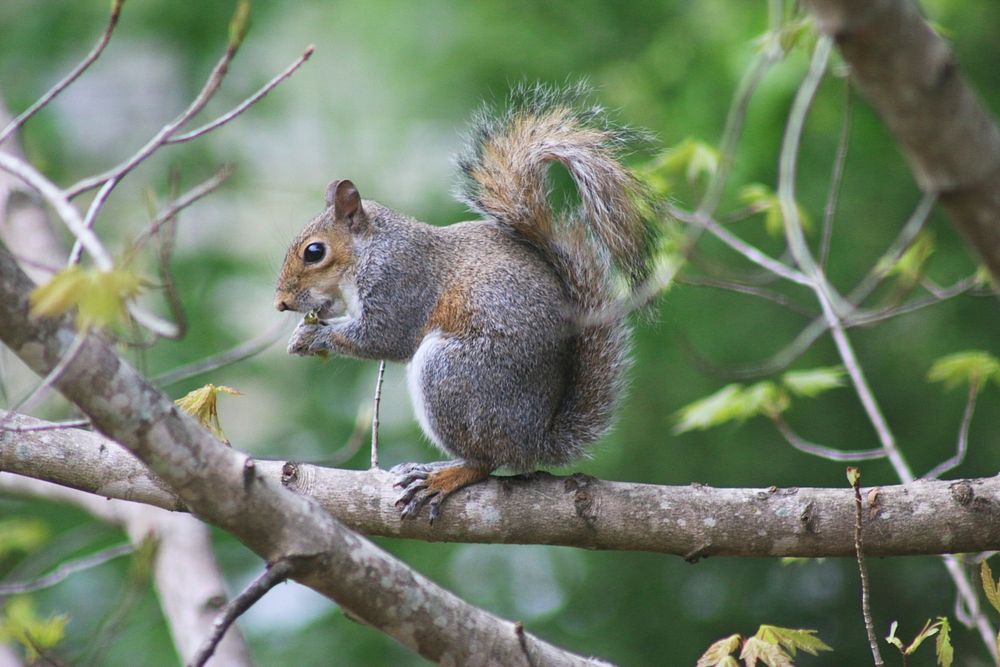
[[429, 484]]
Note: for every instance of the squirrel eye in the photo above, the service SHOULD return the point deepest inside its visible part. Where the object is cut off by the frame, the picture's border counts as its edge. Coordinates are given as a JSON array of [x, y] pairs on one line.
[[313, 253]]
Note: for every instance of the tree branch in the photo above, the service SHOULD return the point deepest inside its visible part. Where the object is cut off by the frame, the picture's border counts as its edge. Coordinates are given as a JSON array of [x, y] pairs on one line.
[[925, 517], [909, 74], [228, 489]]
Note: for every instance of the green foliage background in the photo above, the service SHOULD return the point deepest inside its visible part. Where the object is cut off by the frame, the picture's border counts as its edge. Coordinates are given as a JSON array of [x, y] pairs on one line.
[[383, 102]]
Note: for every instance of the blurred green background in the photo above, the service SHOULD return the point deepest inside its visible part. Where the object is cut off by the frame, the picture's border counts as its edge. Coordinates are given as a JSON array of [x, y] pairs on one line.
[[384, 102]]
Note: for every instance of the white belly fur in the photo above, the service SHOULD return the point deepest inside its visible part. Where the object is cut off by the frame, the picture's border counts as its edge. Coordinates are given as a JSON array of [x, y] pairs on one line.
[[414, 370]]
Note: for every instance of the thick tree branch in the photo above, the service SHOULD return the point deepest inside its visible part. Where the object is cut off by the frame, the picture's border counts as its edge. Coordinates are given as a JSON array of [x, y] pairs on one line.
[[926, 517], [227, 488], [909, 74]]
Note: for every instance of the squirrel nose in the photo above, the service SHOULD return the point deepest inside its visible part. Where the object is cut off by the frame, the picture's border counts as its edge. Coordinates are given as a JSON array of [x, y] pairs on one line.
[[280, 305]]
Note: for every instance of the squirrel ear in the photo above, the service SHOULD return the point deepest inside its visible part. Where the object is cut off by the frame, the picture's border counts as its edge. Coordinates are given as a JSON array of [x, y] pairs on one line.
[[344, 198]]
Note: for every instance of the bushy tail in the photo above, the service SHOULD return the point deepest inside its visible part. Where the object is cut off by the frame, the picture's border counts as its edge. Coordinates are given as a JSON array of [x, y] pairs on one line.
[[505, 178]]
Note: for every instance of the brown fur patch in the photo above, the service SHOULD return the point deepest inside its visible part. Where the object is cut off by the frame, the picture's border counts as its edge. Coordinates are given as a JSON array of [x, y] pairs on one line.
[[452, 314], [451, 479]]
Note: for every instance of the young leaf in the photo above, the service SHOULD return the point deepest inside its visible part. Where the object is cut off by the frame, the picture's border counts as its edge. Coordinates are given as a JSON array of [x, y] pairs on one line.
[[853, 477], [100, 297], [764, 398], [724, 405], [792, 639], [972, 367], [22, 534], [202, 404], [910, 266], [20, 623], [928, 631], [720, 652], [990, 585], [892, 638], [814, 381], [764, 200], [772, 655], [942, 645]]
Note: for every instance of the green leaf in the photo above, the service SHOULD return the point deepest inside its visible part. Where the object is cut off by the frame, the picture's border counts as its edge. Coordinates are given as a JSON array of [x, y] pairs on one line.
[[793, 639], [853, 477], [928, 631], [972, 367], [763, 199], [771, 654], [691, 157], [720, 652], [20, 623], [765, 398], [942, 646], [910, 266], [892, 638], [725, 405], [202, 404], [100, 297], [812, 382], [990, 585], [22, 534]]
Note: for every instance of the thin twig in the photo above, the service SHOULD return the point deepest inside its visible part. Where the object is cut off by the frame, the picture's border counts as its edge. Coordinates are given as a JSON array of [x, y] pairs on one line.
[[244, 350], [66, 570], [855, 475], [836, 177], [733, 286], [866, 318], [209, 88], [740, 246], [271, 577], [246, 104], [375, 407], [48, 381], [822, 451], [828, 299], [65, 210], [95, 52], [72, 423], [963, 436], [179, 204]]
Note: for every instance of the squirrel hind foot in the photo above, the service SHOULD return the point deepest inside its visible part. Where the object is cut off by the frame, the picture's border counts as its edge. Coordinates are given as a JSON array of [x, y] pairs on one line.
[[429, 484]]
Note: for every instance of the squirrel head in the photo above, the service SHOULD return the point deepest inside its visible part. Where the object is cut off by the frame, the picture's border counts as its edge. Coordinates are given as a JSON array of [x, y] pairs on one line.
[[321, 260]]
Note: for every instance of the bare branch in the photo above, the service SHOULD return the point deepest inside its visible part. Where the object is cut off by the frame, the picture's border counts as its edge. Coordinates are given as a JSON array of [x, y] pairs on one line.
[[22, 118], [578, 510], [866, 610], [909, 74], [191, 196], [740, 246], [375, 406], [245, 104], [66, 212], [822, 451], [66, 570], [244, 350], [836, 178], [275, 574]]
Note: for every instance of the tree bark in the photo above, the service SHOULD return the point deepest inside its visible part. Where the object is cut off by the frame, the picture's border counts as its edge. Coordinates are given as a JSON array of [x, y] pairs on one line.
[[927, 517]]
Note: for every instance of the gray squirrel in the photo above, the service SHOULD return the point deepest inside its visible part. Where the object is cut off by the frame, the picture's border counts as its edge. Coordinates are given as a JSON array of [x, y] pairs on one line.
[[511, 325]]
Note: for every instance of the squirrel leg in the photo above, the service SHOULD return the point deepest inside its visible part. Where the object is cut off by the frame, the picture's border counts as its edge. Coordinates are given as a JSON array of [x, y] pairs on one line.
[[430, 483]]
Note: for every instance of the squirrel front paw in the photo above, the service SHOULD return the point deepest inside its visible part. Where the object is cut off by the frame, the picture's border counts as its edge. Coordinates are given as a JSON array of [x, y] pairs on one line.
[[310, 338]]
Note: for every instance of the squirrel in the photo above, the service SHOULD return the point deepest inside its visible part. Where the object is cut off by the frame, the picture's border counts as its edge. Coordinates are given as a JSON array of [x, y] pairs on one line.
[[516, 350]]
